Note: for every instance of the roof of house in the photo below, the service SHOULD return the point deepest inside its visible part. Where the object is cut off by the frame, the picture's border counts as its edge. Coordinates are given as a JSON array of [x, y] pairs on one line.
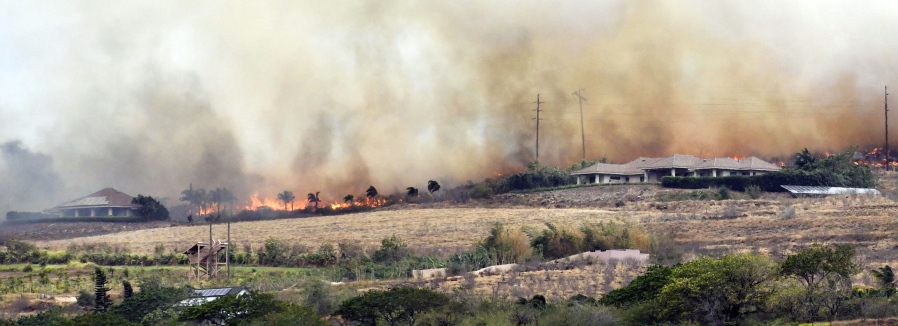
[[754, 163], [632, 167], [679, 161], [201, 296], [103, 198]]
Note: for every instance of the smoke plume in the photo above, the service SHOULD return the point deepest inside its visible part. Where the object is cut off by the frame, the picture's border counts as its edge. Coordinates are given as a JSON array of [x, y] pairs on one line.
[[334, 97]]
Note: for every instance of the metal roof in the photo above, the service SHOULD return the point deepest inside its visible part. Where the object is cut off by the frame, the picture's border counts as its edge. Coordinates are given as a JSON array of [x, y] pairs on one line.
[[815, 190], [212, 292], [218, 292]]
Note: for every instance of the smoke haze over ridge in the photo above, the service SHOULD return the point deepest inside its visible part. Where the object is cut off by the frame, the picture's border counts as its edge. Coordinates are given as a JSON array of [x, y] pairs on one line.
[[333, 97]]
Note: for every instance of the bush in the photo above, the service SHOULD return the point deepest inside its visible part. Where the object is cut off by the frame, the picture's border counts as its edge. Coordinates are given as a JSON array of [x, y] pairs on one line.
[[85, 298], [391, 250], [507, 246], [724, 193], [559, 242], [480, 192], [545, 177], [398, 305], [753, 191], [96, 319]]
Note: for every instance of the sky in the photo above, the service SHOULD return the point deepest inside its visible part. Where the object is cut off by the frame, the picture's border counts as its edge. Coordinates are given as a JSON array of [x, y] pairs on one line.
[[307, 96]]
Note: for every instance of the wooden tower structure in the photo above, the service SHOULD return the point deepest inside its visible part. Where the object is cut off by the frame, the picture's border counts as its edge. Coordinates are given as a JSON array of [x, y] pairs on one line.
[[204, 257]]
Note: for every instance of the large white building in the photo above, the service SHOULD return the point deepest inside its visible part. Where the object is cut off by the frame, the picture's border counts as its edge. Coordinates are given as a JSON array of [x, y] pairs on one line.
[[652, 169], [106, 202]]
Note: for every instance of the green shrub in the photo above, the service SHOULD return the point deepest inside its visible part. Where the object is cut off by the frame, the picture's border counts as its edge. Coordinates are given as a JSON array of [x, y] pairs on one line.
[[545, 177], [398, 305], [753, 191], [723, 193], [391, 250], [85, 298]]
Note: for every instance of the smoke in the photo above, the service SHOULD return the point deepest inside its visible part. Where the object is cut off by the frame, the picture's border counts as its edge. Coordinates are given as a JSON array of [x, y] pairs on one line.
[[331, 97], [29, 179]]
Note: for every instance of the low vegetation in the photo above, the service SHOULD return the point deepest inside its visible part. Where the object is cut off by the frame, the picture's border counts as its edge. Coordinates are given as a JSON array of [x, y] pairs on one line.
[[811, 285]]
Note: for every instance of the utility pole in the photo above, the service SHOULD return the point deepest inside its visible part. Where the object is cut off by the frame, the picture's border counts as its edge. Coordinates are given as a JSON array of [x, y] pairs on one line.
[[582, 133], [537, 128], [228, 253], [886, 102], [209, 258]]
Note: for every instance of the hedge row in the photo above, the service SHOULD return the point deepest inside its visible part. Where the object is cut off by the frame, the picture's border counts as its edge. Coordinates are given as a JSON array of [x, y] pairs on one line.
[[121, 219], [771, 182]]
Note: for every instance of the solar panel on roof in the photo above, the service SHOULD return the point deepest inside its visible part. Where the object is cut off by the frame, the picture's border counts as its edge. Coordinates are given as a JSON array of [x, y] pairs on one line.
[[213, 292]]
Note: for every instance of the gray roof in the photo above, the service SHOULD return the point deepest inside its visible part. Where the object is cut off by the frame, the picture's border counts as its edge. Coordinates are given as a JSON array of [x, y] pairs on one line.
[[814, 190], [218, 292], [676, 161], [630, 168], [108, 197], [679, 161]]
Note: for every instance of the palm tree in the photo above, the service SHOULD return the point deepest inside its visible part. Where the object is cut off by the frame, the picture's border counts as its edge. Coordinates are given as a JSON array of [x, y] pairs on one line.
[[433, 186], [287, 197], [228, 197], [216, 196], [349, 199], [884, 275], [189, 195], [412, 191], [313, 198], [202, 198], [371, 192]]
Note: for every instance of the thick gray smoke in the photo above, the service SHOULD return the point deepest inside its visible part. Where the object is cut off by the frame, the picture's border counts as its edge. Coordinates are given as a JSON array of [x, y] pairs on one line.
[[29, 180], [333, 97]]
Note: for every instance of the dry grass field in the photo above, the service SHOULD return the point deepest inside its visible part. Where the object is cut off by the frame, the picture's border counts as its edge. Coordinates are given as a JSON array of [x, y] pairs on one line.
[[775, 225], [422, 229]]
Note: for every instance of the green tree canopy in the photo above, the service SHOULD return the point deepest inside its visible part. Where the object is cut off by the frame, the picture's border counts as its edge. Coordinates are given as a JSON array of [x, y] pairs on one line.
[[719, 291], [398, 306], [150, 209]]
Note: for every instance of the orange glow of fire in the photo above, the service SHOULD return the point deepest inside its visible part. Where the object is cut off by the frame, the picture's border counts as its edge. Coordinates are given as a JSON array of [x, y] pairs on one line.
[[256, 203], [339, 205], [738, 158]]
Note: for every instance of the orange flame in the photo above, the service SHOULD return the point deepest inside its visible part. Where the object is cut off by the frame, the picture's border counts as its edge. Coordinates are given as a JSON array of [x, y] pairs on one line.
[[256, 203]]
